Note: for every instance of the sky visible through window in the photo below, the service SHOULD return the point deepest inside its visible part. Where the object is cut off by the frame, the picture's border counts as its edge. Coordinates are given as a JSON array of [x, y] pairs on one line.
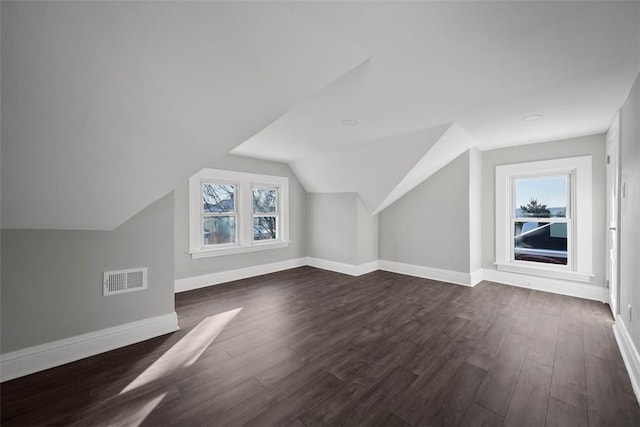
[[551, 191]]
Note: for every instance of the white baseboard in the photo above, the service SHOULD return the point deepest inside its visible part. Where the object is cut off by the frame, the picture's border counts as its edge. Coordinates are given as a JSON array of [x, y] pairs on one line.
[[476, 277], [196, 282], [450, 276], [26, 361], [341, 267], [556, 286], [629, 354]]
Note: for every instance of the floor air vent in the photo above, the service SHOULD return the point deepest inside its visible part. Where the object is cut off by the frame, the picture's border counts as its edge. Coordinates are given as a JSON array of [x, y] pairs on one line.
[[120, 281]]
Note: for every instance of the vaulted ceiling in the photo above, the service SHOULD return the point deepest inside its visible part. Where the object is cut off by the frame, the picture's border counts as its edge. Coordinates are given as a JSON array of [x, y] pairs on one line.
[[108, 106]]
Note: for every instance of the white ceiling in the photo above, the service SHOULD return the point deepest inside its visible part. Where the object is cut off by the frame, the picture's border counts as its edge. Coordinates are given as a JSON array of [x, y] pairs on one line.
[[482, 65], [109, 106], [372, 169]]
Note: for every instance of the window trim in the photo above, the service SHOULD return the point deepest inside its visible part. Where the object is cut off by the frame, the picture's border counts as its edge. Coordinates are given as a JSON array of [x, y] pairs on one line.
[[244, 183], [580, 238]]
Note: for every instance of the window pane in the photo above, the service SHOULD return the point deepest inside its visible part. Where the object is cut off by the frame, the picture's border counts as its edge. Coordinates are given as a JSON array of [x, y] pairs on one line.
[[541, 242], [219, 229], [541, 197], [218, 198], [265, 200], [264, 227]]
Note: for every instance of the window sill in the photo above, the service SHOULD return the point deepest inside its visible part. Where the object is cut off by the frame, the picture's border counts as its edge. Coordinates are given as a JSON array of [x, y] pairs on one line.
[[546, 272], [206, 253]]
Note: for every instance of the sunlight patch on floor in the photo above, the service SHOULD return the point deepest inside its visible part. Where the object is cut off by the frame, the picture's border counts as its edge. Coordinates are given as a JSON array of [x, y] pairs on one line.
[[186, 351], [136, 416]]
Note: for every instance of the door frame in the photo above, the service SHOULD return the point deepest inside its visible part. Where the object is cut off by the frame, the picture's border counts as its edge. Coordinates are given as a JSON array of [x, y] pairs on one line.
[[612, 257]]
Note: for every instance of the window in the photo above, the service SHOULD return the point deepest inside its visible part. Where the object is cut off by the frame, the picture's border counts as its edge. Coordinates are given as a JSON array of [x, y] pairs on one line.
[[234, 212], [219, 214], [543, 218], [265, 213]]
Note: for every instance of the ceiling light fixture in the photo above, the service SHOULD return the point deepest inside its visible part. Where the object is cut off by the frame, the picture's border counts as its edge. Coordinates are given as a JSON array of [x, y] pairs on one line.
[[349, 122], [533, 117]]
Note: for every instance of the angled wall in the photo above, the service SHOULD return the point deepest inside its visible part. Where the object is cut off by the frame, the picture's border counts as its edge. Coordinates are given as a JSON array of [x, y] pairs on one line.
[[102, 116], [429, 226], [52, 279]]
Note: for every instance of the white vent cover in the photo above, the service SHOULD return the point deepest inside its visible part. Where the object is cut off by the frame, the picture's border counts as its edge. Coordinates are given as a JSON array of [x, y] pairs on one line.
[[120, 281]]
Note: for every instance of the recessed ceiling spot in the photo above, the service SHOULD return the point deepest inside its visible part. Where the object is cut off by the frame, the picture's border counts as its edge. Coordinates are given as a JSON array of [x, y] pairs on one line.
[[349, 122], [533, 117]]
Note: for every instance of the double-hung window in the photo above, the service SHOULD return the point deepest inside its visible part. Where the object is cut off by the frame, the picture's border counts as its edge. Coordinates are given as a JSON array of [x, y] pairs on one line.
[[219, 214], [265, 213], [544, 218], [541, 220], [234, 212]]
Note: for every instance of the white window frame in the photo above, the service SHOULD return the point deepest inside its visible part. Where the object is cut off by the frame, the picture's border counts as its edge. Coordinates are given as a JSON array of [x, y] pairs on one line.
[[579, 218], [244, 183]]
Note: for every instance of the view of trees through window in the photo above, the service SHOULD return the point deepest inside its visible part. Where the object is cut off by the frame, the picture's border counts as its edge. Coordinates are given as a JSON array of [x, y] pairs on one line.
[[540, 219], [265, 213], [219, 216], [220, 213]]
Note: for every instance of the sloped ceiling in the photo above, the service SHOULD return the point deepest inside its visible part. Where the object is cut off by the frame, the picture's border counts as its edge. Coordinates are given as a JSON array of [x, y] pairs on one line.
[[483, 66], [381, 165], [108, 106], [452, 143]]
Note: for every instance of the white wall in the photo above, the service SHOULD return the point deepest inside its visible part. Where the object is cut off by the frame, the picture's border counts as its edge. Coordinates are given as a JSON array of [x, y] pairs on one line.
[[593, 145], [186, 267], [52, 279], [429, 226]]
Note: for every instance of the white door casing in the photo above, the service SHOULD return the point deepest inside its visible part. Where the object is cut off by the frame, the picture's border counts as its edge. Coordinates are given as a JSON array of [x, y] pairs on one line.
[[613, 200]]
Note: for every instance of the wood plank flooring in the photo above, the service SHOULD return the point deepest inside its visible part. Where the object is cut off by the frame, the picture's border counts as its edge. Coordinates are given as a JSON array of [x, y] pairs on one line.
[[308, 347]]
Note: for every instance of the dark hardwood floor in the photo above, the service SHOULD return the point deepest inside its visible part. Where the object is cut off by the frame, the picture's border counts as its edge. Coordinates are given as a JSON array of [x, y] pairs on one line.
[[311, 347]]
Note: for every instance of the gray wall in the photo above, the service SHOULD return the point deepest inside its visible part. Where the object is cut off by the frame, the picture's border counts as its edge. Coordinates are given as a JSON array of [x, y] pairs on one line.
[[429, 226], [367, 234], [593, 145], [475, 202], [341, 228], [630, 212], [332, 231], [187, 267], [52, 279]]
